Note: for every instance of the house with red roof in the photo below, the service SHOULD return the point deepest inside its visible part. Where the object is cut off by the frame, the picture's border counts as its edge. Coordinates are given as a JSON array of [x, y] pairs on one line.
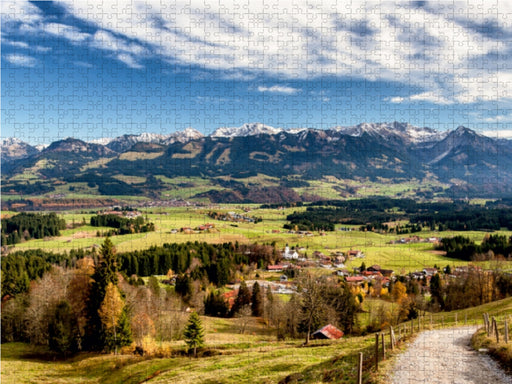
[[328, 332]]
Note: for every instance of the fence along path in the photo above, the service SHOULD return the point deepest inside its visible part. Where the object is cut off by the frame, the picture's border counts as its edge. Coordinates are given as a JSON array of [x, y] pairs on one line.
[[445, 356], [437, 340]]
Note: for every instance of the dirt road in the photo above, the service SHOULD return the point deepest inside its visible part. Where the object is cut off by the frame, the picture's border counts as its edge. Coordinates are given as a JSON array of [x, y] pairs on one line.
[[445, 356]]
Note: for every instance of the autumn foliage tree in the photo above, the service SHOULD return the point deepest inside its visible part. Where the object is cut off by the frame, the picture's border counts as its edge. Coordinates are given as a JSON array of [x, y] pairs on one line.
[[107, 313]]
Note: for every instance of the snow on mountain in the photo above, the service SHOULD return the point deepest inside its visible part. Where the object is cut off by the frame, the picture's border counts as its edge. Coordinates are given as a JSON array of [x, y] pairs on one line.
[[406, 131], [248, 129], [184, 136], [13, 148], [102, 140]]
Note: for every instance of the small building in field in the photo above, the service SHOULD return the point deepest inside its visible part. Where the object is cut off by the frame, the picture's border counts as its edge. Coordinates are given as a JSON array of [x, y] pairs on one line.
[[276, 268], [355, 280], [429, 271], [328, 332]]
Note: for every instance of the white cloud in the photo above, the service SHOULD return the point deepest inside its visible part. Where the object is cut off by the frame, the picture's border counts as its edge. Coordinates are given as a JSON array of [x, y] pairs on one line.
[[66, 31], [430, 97], [279, 89], [21, 60], [129, 61], [499, 134], [439, 48], [19, 44]]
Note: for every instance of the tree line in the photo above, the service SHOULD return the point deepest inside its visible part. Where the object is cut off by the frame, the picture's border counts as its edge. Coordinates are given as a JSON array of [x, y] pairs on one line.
[[26, 226], [85, 304], [373, 213], [211, 263], [491, 247], [122, 224]]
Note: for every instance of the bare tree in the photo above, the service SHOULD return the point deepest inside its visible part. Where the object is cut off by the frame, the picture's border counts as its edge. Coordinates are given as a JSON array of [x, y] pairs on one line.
[[243, 316], [44, 295], [313, 303]]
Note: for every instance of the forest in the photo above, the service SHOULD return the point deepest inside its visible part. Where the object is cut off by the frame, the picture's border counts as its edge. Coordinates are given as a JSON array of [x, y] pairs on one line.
[[373, 213], [491, 247], [26, 226], [86, 304], [122, 224]]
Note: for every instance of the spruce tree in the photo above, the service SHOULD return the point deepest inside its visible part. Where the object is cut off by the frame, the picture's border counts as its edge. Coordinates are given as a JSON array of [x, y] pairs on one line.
[[63, 330], [257, 300], [243, 298], [194, 333], [105, 272]]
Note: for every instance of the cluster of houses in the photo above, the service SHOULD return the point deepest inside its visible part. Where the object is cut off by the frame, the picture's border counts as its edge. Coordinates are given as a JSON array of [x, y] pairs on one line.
[[208, 227], [416, 239], [117, 212], [232, 216]]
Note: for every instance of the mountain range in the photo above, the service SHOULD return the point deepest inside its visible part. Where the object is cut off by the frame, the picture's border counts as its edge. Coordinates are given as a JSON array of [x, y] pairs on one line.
[[467, 163]]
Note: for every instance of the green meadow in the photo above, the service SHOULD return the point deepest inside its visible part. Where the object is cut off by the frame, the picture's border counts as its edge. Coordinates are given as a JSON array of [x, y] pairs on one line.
[[376, 247]]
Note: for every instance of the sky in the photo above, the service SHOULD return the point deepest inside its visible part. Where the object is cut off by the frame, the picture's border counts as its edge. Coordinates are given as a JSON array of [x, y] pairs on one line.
[[90, 69]]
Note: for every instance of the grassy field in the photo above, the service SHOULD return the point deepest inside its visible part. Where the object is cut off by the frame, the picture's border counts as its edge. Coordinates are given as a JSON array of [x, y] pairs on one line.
[[229, 357], [376, 247]]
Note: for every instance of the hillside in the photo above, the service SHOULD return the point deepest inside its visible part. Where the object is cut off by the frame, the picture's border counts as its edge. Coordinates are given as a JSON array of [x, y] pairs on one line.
[[258, 163]]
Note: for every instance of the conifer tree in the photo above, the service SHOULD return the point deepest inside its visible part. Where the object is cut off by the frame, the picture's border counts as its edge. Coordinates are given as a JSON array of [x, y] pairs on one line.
[[194, 333], [105, 273], [257, 300], [63, 330], [242, 299]]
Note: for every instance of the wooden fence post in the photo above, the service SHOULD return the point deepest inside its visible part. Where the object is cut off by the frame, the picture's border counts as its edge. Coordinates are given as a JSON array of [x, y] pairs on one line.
[[465, 318], [376, 351], [456, 319], [383, 341], [392, 337], [360, 369], [495, 323], [506, 330]]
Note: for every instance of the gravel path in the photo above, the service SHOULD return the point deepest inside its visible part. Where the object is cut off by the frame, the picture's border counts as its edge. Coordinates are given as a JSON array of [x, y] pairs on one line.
[[445, 356]]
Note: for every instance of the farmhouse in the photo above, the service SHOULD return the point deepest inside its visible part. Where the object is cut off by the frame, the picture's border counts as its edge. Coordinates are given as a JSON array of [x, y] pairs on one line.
[[429, 271], [328, 332], [355, 280], [276, 268], [355, 253]]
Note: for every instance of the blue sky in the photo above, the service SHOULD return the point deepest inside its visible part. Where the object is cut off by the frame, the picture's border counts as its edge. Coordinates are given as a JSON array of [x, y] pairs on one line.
[[92, 69]]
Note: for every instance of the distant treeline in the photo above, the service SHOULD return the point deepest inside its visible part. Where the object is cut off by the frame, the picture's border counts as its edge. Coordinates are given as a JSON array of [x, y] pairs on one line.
[[373, 213], [463, 248], [122, 224], [22, 267], [214, 263], [26, 226]]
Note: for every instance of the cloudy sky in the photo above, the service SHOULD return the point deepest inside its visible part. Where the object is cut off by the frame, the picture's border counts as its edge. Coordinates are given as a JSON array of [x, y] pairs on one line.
[[92, 69]]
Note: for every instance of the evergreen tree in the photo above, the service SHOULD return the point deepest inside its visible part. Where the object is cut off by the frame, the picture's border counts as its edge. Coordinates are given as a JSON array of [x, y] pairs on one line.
[[63, 330], [194, 333], [436, 290], [242, 299], [215, 305], [257, 300], [105, 273]]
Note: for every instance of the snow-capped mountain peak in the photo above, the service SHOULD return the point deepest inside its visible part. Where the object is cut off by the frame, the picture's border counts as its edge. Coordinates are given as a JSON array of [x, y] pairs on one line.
[[248, 129], [406, 131]]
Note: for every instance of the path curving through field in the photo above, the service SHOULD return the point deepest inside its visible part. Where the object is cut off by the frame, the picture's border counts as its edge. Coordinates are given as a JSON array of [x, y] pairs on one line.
[[445, 356]]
